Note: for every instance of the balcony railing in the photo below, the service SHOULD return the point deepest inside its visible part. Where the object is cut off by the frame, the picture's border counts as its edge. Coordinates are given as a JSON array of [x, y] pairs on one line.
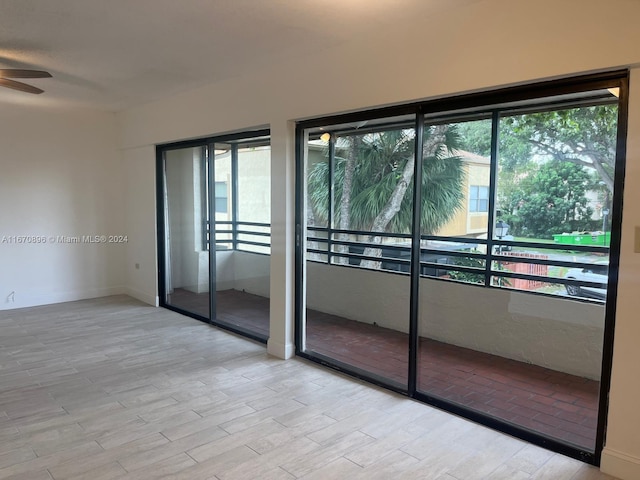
[[252, 237], [543, 268]]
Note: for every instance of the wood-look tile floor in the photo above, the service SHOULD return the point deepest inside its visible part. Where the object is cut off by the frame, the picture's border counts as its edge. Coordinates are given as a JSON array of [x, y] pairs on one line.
[[113, 389]]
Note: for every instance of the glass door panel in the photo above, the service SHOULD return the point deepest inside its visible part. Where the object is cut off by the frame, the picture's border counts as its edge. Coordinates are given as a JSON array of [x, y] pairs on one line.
[[359, 184], [217, 197], [242, 207], [186, 254], [453, 232], [533, 361]]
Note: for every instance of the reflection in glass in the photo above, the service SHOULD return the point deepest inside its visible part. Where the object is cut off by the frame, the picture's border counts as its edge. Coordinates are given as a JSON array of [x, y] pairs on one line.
[[242, 175], [187, 256]]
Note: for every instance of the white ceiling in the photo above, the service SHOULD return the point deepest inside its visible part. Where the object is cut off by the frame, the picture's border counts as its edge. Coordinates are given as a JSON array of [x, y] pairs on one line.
[[113, 54]]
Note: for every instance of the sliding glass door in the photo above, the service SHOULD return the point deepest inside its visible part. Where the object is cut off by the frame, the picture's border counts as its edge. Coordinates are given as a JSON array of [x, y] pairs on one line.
[[214, 231], [242, 211], [529, 230], [489, 289], [186, 265], [359, 317]]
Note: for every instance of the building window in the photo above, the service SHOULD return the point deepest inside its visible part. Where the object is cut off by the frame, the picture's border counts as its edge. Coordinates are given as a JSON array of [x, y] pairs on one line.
[[479, 199], [221, 197]]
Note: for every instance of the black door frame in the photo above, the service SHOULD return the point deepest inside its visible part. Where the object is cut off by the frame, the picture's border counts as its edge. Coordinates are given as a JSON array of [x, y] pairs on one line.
[[208, 145], [486, 102]]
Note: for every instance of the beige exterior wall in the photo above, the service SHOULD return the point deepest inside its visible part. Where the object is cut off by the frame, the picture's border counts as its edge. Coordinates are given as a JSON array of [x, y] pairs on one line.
[[254, 183], [465, 223]]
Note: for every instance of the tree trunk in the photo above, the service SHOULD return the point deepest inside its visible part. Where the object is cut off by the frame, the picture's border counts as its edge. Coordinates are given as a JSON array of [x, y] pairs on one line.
[[597, 161], [392, 207], [604, 175], [311, 222], [345, 200]]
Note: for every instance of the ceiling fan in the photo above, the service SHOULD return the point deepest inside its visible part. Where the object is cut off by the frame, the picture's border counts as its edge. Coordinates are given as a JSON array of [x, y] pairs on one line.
[[6, 74]]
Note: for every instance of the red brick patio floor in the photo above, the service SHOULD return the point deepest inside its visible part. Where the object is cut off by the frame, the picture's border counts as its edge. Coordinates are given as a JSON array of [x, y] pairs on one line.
[[234, 308], [553, 403]]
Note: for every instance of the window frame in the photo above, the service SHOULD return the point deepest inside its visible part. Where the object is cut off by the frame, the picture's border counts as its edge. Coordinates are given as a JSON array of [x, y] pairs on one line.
[[478, 198], [494, 275], [217, 197]]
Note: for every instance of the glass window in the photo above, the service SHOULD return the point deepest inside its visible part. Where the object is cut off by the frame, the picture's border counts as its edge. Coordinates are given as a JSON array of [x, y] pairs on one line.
[[554, 186], [479, 199], [254, 198], [221, 198]]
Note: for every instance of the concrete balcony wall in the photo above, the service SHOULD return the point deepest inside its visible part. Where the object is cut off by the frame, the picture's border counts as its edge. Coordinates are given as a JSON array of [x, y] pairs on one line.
[[556, 333], [359, 294], [245, 271]]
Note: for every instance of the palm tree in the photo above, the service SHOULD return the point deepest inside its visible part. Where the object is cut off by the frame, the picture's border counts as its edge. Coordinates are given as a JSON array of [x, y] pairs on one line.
[[373, 183]]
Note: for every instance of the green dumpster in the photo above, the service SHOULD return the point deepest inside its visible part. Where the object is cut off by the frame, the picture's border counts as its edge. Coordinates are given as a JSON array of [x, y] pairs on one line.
[[583, 238]]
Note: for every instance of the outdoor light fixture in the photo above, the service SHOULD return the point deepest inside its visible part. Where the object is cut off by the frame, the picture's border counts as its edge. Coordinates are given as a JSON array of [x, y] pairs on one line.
[[325, 137], [501, 229]]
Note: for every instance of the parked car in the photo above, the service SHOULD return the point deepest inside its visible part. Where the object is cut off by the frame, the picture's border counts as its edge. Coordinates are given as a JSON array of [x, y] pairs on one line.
[[598, 272]]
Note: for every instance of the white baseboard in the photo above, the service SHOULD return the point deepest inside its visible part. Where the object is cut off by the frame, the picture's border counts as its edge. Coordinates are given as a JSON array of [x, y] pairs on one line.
[[620, 465], [152, 300], [35, 300], [280, 350]]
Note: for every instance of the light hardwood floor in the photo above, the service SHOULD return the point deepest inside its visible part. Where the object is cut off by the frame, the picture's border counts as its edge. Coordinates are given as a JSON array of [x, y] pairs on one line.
[[113, 389]]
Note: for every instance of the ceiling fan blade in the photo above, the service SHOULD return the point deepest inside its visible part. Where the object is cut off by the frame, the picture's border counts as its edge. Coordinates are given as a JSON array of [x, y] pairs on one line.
[[23, 73], [23, 87]]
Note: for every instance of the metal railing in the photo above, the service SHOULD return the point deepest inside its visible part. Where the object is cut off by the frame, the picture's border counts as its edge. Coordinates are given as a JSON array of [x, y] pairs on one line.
[[252, 237], [516, 265]]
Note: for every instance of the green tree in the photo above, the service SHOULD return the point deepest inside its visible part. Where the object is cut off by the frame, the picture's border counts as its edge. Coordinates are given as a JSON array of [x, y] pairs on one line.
[[550, 199], [373, 183], [540, 200], [584, 136], [475, 137], [468, 262]]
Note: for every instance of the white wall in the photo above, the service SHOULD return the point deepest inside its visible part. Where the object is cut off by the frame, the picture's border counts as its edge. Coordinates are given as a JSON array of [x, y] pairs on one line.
[[488, 44], [621, 456], [252, 273], [243, 271], [254, 188], [359, 294], [60, 174], [140, 268]]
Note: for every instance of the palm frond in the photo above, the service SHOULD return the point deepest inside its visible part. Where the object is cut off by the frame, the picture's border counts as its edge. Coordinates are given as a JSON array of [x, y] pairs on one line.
[[380, 160]]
